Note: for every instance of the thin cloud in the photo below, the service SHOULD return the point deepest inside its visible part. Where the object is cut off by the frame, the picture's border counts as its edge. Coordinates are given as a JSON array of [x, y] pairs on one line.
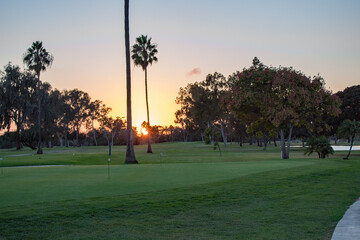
[[195, 71]]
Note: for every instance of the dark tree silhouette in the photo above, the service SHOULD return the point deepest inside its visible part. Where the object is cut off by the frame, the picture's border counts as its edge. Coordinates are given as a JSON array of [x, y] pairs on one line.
[[38, 59], [143, 54], [130, 153], [349, 129], [16, 96], [283, 97]]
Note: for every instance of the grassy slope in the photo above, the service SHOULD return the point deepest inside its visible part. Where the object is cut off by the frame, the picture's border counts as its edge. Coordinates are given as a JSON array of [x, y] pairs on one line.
[[243, 198]]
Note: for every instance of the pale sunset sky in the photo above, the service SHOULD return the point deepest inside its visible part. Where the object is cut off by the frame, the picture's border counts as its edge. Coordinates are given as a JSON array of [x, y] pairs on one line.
[[194, 37]]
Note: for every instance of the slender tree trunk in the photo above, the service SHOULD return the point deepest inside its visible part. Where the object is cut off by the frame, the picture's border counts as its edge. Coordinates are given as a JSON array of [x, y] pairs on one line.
[[218, 145], [265, 143], [275, 144], [335, 138], [251, 140], [77, 137], [60, 139], [289, 141], [18, 129], [147, 111], [224, 137], [351, 144], [109, 143], [282, 145], [39, 150], [94, 133], [130, 153], [17, 138], [202, 138], [66, 140], [112, 139]]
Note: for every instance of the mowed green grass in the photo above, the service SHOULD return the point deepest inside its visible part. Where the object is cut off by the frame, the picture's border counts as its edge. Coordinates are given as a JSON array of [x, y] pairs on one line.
[[181, 191]]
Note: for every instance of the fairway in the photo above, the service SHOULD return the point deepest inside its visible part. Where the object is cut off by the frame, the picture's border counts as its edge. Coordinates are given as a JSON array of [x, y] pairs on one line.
[[181, 191], [24, 185]]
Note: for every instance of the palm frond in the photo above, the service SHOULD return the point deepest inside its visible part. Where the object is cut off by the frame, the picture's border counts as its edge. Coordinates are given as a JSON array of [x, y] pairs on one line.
[[143, 52]]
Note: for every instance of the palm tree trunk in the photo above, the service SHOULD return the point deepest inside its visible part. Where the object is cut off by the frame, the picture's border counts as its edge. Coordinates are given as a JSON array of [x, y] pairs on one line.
[[147, 111], [130, 153], [39, 150]]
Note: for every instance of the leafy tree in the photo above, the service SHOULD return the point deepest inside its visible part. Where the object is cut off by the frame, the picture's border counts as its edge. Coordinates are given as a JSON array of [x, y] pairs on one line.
[[321, 145], [94, 115], [349, 129], [202, 105], [217, 85], [350, 102], [283, 97], [49, 113], [196, 107], [143, 54], [65, 117], [130, 153], [56, 114], [38, 59], [183, 121], [79, 107], [110, 127], [262, 129], [17, 96]]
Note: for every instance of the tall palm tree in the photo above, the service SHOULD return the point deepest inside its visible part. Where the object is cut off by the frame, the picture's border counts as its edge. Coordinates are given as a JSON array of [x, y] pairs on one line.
[[143, 54], [38, 59], [349, 129], [130, 153]]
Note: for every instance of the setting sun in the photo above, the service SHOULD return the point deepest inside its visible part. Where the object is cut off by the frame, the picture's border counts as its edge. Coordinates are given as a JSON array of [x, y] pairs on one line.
[[144, 131]]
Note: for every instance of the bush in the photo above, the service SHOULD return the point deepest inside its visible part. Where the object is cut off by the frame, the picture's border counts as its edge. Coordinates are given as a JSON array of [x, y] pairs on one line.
[[321, 145]]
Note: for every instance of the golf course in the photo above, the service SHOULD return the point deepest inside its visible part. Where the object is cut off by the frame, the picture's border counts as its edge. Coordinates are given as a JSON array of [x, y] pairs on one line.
[[181, 191]]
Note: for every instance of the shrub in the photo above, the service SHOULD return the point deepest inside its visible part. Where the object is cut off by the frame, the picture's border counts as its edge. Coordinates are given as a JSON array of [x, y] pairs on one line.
[[321, 145]]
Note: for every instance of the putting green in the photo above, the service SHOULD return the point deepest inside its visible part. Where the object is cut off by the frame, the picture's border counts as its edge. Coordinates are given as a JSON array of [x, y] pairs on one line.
[[28, 185]]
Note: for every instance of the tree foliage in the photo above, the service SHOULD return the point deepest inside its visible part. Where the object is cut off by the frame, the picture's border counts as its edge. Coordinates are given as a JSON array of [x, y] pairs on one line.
[[17, 99], [349, 129], [282, 97], [202, 105], [320, 145], [350, 102]]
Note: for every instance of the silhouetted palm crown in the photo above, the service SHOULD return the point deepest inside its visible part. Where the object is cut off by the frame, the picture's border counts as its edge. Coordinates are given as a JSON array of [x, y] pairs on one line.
[[37, 58], [143, 52]]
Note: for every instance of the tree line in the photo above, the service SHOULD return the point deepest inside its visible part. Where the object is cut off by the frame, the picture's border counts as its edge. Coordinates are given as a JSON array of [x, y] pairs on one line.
[[263, 104], [67, 117]]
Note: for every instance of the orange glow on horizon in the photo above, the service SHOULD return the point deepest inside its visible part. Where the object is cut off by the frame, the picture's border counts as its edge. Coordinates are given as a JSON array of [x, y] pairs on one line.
[[143, 131]]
